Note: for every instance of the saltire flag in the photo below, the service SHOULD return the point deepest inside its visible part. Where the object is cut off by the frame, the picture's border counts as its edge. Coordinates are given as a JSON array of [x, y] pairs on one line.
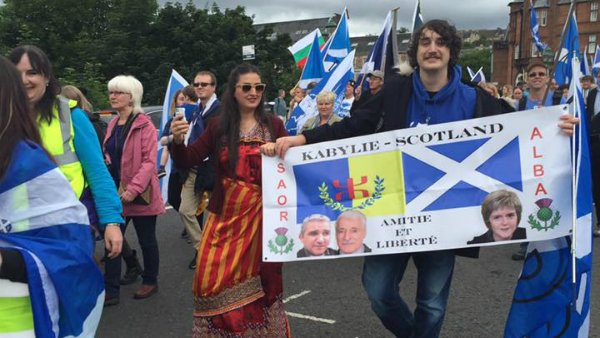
[[596, 62], [423, 186], [471, 73], [535, 29], [563, 73], [313, 70], [376, 58], [549, 300], [417, 17], [476, 77], [302, 47], [334, 81], [176, 82], [338, 45], [391, 60], [41, 217]]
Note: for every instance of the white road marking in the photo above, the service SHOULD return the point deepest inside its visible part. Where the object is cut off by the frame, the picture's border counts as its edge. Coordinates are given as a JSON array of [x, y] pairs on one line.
[[168, 207], [292, 297], [316, 319], [297, 315]]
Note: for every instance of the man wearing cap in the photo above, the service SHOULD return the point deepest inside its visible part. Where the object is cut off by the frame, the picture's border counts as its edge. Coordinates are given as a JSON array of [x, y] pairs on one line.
[[348, 100], [432, 94], [375, 79]]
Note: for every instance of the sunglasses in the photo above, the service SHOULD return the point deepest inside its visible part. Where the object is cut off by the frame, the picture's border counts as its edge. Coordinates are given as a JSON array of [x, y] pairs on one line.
[[246, 87], [202, 84], [534, 74]]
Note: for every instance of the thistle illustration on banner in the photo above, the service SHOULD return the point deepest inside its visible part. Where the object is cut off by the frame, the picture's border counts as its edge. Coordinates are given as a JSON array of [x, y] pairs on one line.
[[281, 245], [545, 214]]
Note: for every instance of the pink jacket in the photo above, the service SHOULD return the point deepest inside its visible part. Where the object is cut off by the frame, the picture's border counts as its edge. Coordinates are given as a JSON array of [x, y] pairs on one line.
[[138, 166]]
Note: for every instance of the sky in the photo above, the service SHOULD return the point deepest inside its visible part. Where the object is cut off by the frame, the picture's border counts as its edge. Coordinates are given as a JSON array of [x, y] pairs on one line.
[[366, 16]]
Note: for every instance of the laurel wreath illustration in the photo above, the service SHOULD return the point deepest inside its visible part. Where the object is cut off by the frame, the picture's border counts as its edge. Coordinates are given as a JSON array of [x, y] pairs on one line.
[[337, 206]]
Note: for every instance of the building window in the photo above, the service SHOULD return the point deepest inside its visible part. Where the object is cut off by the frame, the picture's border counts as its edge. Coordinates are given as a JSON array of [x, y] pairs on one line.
[[594, 11], [516, 52], [592, 44], [534, 50], [543, 17]]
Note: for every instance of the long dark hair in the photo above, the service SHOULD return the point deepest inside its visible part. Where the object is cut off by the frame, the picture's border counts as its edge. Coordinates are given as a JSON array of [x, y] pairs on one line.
[[16, 120], [229, 127], [41, 64]]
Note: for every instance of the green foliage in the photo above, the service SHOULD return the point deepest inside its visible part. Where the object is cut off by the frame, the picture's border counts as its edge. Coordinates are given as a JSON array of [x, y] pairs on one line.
[[91, 41]]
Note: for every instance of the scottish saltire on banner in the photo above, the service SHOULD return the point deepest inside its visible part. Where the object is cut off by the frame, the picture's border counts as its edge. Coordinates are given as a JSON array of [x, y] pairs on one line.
[[301, 48], [412, 185], [338, 46], [417, 17], [41, 217], [176, 82], [535, 29], [376, 58], [549, 300], [313, 69], [334, 81], [563, 73]]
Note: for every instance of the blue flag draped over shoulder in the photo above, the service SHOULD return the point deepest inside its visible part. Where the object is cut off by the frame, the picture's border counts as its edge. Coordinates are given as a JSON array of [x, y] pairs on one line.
[[550, 301], [41, 217]]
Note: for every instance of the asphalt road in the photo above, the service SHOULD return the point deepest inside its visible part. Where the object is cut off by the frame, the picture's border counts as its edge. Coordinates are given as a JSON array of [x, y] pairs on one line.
[[325, 298]]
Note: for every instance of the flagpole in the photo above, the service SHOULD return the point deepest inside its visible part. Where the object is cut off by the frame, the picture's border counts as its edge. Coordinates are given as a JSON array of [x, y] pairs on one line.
[[557, 54]]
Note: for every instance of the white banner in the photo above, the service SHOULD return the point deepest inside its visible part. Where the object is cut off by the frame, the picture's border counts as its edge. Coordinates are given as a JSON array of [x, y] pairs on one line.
[[488, 181]]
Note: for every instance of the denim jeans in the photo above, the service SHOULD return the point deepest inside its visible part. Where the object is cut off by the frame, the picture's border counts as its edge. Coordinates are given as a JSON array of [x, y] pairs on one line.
[[145, 228], [381, 278]]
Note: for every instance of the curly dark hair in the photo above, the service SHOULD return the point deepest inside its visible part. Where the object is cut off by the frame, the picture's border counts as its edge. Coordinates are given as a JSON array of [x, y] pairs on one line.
[[229, 125], [449, 36]]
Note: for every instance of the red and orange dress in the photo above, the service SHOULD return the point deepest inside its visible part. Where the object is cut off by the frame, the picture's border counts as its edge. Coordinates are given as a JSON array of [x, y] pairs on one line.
[[235, 293]]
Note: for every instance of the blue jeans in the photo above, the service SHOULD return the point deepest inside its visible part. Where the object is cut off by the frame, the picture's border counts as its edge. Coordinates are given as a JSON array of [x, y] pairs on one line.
[[381, 278]]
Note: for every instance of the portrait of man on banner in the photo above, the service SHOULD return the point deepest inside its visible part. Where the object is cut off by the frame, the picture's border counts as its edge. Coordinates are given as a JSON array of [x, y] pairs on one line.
[[315, 235], [350, 232]]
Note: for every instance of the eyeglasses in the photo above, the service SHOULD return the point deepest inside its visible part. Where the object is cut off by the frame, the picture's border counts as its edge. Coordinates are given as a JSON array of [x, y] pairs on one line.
[[259, 87], [202, 84], [117, 93], [539, 74]]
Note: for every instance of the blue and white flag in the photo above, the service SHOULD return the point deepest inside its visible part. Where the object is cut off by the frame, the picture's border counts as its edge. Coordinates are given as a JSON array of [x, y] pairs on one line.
[[376, 58], [596, 62], [585, 65], [417, 17], [338, 45], [471, 73], [535, 30], [334, 81], [549, 300], [477, 77], [41, 217], [570, 48], [313, 69], [176, 82]]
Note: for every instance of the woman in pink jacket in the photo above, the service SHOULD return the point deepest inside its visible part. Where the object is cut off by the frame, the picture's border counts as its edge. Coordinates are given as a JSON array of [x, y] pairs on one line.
[[130, 151]]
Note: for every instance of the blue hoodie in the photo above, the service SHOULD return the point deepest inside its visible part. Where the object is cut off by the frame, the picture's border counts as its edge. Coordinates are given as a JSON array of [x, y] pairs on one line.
[[454, 102]]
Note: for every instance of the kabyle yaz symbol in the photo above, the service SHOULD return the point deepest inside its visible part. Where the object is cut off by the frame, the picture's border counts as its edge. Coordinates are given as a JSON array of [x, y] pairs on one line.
[[544, 214], [281, 245], [349, 189]]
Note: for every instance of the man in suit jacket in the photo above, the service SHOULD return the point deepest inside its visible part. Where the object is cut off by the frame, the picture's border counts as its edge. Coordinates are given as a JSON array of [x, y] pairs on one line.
[[350, 232]]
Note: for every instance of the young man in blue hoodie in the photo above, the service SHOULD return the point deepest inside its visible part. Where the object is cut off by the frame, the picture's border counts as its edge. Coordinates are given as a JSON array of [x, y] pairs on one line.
[[432, 94]]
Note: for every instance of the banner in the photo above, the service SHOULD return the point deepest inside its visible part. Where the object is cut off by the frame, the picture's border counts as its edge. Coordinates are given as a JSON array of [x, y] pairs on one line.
[[496, 180]]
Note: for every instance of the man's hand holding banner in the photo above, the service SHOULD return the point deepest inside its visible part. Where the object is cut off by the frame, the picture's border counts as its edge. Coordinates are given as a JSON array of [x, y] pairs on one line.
[[421, 189]]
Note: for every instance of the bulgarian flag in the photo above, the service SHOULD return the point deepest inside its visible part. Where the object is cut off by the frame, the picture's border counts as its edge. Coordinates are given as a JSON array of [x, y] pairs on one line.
[[301, 48]]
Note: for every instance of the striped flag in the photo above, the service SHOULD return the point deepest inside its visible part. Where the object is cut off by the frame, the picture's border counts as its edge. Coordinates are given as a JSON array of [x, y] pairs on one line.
[[41, 217], [176, 82], [302, 47], [313, 70]]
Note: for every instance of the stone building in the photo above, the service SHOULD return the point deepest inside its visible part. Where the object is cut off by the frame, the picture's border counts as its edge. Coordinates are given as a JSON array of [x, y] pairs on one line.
[[512, 55]]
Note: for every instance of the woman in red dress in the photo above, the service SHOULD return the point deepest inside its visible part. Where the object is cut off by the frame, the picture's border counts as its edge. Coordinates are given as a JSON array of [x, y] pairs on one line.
[[235, 293]]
